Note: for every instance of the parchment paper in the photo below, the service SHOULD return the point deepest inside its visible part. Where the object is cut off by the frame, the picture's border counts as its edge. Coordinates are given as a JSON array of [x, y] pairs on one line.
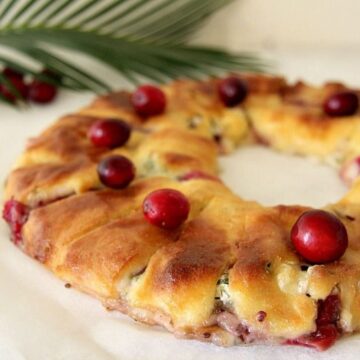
[[42, 320]]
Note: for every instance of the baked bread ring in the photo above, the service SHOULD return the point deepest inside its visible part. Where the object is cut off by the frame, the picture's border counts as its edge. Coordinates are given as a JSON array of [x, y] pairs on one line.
[[230, 273]]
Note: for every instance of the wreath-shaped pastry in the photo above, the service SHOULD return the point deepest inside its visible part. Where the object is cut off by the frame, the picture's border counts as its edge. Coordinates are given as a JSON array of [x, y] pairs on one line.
[[122, 201]]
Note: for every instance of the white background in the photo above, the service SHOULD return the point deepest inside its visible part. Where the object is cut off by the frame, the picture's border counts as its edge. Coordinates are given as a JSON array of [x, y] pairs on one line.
[[41, 320], [269, 24]]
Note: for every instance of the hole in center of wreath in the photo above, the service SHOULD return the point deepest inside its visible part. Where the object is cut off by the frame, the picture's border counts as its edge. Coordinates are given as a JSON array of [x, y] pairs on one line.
[[261, 174]]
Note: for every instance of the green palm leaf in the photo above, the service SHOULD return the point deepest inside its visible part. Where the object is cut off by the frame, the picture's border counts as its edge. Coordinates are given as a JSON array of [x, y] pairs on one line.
[[141, 39]]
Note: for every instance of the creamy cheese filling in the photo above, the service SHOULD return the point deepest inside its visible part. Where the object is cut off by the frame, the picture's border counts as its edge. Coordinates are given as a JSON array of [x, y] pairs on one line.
[[126, 282], [222, 291]]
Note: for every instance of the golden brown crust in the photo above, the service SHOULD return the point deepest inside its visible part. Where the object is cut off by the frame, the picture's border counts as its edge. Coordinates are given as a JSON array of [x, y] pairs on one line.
[[181, 278], [263, 84], [111, 252], [51, 227], [232, 259], [292, 120]]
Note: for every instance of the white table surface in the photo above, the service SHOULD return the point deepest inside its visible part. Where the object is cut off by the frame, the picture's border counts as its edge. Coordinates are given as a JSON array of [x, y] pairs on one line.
[[41, 320]]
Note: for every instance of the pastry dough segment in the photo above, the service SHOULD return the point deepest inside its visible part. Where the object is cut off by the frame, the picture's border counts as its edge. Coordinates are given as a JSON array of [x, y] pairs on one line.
[[291, 120], [104, 260], [266, 277], [181, 277]]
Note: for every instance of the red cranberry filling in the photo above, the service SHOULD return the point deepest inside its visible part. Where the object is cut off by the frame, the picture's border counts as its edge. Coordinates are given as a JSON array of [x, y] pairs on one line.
[[15, 214], [197, 174], [328, 310], [326, 331], [324, 337]]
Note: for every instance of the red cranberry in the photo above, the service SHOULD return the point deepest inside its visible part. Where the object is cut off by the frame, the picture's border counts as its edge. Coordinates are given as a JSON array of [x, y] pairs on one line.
[[350, 171], [166, 208], [320, 237], [197, 174], [109, 133], [15, 214], [41, 92], [116, 171], [232, 91], [11, 73], [149, 100], [341, 104], [19, 85]]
